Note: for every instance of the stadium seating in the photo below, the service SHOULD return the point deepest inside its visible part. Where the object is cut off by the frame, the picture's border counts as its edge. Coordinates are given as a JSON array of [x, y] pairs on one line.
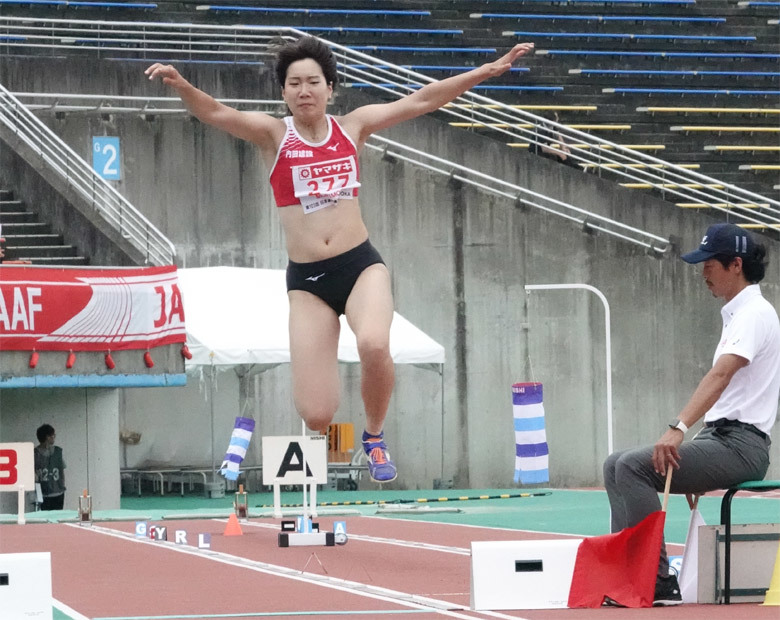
[[310, 11], [692, 91], [80, 4], [725, 129], [677, 72], [626, 36], [677, 19], [648, 64], [707, 110]]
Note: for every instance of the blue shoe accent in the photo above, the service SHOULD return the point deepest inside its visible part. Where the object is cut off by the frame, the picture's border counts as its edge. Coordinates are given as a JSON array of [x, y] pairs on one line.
[[380, 467]]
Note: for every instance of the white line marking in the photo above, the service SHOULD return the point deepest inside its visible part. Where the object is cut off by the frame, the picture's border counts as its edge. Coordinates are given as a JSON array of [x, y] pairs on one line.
[[385, 541], [414, 601], [489, 527]]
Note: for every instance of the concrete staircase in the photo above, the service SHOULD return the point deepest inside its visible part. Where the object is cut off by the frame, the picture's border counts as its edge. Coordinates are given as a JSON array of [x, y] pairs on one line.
[[30, 240]]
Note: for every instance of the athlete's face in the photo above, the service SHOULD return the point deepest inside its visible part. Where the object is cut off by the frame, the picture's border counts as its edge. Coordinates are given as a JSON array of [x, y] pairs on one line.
[[306, 91]]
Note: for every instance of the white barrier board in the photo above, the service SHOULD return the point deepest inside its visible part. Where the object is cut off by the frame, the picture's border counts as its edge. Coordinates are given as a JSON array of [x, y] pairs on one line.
[[522, 574], [25, 586], [297, 459], [17, 466]]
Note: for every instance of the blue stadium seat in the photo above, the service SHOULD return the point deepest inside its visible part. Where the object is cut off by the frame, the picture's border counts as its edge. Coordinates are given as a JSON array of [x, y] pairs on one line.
[[693, 72], [378, 30], [687, 2], [406, 48], [83, 4], [111, 5], [600, 18], [496, 87], [627, 35], [754, 3], [267, 9], [448, 68], [645, 2], [691, 91], [660, 54]]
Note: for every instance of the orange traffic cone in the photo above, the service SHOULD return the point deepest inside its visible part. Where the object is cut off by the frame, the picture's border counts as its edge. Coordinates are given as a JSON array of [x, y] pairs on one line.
[[233, 528]]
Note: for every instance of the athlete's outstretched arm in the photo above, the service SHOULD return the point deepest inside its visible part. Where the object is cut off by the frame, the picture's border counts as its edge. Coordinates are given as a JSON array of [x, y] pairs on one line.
[[367, 119], [252, 126]]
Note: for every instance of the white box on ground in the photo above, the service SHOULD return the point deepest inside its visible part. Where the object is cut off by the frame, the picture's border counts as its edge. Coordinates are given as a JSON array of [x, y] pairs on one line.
[[522, 574], [25, 586]]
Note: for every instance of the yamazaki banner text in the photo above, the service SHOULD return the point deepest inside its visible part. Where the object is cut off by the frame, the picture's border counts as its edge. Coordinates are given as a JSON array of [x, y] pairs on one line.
[[50, 309]]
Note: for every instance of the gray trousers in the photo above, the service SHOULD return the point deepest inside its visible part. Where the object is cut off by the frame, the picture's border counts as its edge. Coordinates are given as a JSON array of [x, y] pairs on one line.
[[716, 458]]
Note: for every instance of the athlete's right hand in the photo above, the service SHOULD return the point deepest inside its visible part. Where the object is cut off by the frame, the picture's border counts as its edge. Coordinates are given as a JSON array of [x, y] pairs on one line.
[[167, 73]]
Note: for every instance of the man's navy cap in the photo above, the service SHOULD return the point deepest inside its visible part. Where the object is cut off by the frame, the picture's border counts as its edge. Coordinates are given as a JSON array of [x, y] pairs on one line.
[[725, 239]]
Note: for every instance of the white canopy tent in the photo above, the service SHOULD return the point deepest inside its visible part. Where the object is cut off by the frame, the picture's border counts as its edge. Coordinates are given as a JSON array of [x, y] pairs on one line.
[[238, 318]]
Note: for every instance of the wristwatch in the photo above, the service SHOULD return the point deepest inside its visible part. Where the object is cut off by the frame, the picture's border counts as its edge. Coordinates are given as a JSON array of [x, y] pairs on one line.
[[679, 424]]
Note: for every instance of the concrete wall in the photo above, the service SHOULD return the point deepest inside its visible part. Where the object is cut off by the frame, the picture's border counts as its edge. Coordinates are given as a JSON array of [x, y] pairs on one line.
[[459, 260]]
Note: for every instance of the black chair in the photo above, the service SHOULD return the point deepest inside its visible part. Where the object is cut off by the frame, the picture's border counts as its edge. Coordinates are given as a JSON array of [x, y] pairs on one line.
[[757, 486]]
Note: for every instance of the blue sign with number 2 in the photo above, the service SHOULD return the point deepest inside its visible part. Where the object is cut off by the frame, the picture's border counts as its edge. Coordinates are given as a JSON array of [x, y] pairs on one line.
[[105, 157]]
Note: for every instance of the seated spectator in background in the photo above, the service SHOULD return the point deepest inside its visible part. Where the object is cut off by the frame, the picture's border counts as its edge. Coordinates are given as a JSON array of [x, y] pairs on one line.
[[2, 250], [552, 145]]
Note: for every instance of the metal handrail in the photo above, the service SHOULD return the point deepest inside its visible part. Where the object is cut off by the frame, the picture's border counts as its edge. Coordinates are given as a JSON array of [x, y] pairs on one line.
[[519, 194], [107, 202], [396, 150], [107, 104], [474, 108], [240, 41]]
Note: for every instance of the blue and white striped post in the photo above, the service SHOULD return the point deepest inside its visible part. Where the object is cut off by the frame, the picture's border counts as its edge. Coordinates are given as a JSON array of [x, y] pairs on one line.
[[531, 452], [236, 452]]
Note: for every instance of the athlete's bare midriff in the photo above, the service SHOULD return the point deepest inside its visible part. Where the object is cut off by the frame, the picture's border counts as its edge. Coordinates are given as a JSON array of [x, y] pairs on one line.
[[322, 234]]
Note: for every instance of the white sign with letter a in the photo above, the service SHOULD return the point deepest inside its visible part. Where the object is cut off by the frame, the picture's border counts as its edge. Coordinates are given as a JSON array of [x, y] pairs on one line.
[[298, 459], [17, 466]]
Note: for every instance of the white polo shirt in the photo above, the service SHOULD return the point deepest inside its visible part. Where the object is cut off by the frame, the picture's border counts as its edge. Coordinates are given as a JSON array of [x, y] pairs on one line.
[[751, 330]]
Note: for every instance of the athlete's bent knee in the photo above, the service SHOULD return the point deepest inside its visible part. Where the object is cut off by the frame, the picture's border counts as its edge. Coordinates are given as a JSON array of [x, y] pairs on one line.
[[373, 349], [317, 418]]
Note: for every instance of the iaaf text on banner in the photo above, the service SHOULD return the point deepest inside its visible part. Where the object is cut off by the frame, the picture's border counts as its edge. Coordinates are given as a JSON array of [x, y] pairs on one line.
[[89, 309]]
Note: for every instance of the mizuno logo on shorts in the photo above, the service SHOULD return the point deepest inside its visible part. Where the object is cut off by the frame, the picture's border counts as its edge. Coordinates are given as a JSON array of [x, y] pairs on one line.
[[315, 278]]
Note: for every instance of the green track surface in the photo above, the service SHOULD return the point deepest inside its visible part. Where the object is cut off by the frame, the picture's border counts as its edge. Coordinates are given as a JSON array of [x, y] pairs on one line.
[[562, 511], [579, 512]]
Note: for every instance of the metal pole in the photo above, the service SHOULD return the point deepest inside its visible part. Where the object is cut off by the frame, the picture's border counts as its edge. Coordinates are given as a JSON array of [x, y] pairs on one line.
[[607, 329], [211, 401]]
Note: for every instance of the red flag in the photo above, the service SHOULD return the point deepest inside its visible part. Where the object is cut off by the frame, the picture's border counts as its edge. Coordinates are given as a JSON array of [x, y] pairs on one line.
[[622, 566]]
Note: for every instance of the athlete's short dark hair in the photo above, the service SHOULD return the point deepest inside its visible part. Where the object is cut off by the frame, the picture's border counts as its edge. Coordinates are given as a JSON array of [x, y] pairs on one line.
[[306, 47]]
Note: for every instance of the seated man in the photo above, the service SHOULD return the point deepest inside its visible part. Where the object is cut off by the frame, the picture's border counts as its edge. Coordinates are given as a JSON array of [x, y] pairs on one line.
[[552, 145], [737, 399]]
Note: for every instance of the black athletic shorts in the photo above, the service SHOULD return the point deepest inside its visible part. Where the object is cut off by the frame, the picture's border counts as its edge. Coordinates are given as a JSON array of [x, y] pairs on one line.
[[332, 279]]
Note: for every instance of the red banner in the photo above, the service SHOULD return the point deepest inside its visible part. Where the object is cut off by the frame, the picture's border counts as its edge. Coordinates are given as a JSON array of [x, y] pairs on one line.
[[52, 309]]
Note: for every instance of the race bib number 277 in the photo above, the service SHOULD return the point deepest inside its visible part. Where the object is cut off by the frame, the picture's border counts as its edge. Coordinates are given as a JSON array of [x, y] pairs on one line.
[[323, 184]]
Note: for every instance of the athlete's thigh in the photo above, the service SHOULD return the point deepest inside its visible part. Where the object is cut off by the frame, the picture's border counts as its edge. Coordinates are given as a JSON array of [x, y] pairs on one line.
[[314, 341], [369, 309]]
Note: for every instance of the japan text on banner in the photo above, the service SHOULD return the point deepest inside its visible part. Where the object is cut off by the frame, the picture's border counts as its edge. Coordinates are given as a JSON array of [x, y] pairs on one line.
[[50, 309], [531, 453], [236, 452]]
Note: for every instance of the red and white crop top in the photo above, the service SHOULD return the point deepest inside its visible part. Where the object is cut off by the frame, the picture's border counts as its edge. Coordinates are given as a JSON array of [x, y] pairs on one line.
[[315, 175]]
